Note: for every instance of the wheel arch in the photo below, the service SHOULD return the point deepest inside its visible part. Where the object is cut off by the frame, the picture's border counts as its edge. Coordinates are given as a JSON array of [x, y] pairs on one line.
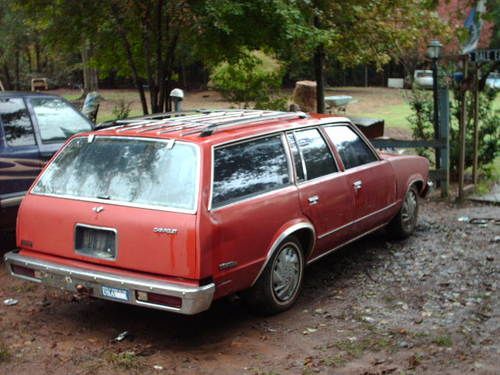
[[418, 182], [305, 233]]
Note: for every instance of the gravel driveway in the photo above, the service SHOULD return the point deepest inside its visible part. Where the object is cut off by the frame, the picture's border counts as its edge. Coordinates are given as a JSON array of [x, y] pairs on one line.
[[429, 304]]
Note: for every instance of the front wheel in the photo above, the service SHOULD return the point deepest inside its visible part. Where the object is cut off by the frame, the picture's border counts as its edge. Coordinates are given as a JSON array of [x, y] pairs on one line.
[[404, 223], [279, 285]]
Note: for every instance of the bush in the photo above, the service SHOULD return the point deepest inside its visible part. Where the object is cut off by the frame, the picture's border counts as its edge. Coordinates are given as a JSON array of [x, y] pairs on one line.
[[489, 131], [421, 121], [121, 110], [255, 77]]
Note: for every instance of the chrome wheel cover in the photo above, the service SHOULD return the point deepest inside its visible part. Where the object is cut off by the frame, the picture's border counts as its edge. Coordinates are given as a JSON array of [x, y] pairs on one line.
[[286, 273], [409, 211]]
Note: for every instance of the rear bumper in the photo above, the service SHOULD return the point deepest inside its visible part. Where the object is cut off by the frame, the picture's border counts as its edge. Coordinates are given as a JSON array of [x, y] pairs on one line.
[[195, 299]]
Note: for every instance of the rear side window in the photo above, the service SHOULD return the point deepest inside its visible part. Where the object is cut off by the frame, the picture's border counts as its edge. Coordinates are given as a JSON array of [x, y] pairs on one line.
[[16, 122], [353, 151], [247, 169], [317, 156], [57, 120]]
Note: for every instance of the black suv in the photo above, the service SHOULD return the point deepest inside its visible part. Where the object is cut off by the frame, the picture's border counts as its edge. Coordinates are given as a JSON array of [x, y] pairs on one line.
[[32, 128]]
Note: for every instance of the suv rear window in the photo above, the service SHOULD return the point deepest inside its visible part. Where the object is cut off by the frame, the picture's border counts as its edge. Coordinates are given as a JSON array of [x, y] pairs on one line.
[[138, 172], [247, 169]]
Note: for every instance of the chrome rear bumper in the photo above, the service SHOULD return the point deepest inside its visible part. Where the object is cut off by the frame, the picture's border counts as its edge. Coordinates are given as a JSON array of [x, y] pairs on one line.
[[195, 299]]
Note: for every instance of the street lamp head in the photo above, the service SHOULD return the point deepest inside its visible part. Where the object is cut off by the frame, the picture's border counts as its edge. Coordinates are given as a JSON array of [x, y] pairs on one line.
[[434, 49]]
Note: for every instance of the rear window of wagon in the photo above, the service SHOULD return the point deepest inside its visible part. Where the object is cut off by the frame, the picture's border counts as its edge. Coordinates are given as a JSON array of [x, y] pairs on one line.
[[139, 172]]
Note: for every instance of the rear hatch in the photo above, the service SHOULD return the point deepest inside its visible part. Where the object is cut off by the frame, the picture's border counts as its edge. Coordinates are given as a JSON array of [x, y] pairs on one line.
[[127, 203]]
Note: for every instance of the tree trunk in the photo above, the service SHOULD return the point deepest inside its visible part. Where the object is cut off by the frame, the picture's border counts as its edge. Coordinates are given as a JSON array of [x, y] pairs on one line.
[[304, 95], [147, 30], [319, 57], [37, 56], [17, 85], [90, 79], [130, 58], [28, 59], [319, 77], [8, 79], [159, 57], [168, 70], [85, 69]]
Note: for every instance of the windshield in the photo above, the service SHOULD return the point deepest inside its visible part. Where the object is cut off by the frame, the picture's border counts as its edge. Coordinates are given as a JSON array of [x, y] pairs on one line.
[[57, 120], [140, 172]]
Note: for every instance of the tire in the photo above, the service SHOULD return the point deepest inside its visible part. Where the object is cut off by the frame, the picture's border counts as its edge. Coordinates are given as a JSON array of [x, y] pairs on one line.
[[404, 223], [280, 283]]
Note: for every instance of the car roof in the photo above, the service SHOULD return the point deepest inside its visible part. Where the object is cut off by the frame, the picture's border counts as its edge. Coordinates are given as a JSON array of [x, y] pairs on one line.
[[23, 94], [212, 126]]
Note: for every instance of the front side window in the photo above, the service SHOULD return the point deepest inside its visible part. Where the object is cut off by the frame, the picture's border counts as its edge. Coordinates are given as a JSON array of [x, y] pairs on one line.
[[317, 156], [353, 151], [57, 120], [16, 122], [247, 169], [141, 172]]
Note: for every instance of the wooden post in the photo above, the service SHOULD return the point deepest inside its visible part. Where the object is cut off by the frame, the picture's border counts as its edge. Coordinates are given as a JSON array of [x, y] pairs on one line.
[[476, 127], [462, 130], [444, 136], [366, 75]]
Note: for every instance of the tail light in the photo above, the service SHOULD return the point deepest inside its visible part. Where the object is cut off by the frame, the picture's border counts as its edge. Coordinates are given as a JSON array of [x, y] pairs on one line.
[[23, 271], [159, 299]]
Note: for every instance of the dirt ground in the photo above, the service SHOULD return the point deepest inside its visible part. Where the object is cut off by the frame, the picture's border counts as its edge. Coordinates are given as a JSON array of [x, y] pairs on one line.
[[426, 305]]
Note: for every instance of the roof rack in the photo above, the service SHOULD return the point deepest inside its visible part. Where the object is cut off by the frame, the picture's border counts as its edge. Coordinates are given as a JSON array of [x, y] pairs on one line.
[[250, 120], [131, 121], [202, 121], [182, 122]]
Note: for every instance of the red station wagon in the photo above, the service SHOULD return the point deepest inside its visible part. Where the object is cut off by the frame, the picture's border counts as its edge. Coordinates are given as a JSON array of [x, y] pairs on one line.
[[174, 211]]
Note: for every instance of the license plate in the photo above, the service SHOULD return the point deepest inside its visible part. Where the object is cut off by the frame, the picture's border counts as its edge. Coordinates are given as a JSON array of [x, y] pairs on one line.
[[115, 293]]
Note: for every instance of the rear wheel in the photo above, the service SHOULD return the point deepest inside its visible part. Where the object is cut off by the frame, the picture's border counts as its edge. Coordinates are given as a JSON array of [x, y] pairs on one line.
[[404, 223], [279, 285]]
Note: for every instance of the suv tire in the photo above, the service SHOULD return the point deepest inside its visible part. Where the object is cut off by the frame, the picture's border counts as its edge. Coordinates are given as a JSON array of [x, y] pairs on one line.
[[280, 283]]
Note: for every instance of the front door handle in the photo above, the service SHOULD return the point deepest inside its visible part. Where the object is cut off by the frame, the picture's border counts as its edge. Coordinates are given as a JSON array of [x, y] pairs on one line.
[[357, 185], [313, 199]]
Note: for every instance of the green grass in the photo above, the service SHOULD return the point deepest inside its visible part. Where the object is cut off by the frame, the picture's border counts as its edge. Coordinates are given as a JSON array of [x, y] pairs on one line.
[[108, 116], [126, 360], [357, 348], [395, 116], [444, 341], [4, 353]]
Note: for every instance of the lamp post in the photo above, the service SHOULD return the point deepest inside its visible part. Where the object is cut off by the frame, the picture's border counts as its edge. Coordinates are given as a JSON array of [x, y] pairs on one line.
[[433, 52]]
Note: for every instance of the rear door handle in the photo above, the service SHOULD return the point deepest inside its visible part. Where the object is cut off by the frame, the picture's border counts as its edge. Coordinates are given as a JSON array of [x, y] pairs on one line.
[[313, 199], [357, 185]]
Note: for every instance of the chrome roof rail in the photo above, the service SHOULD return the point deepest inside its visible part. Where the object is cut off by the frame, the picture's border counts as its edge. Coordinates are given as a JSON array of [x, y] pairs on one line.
[[203, 121], [250, 120]]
